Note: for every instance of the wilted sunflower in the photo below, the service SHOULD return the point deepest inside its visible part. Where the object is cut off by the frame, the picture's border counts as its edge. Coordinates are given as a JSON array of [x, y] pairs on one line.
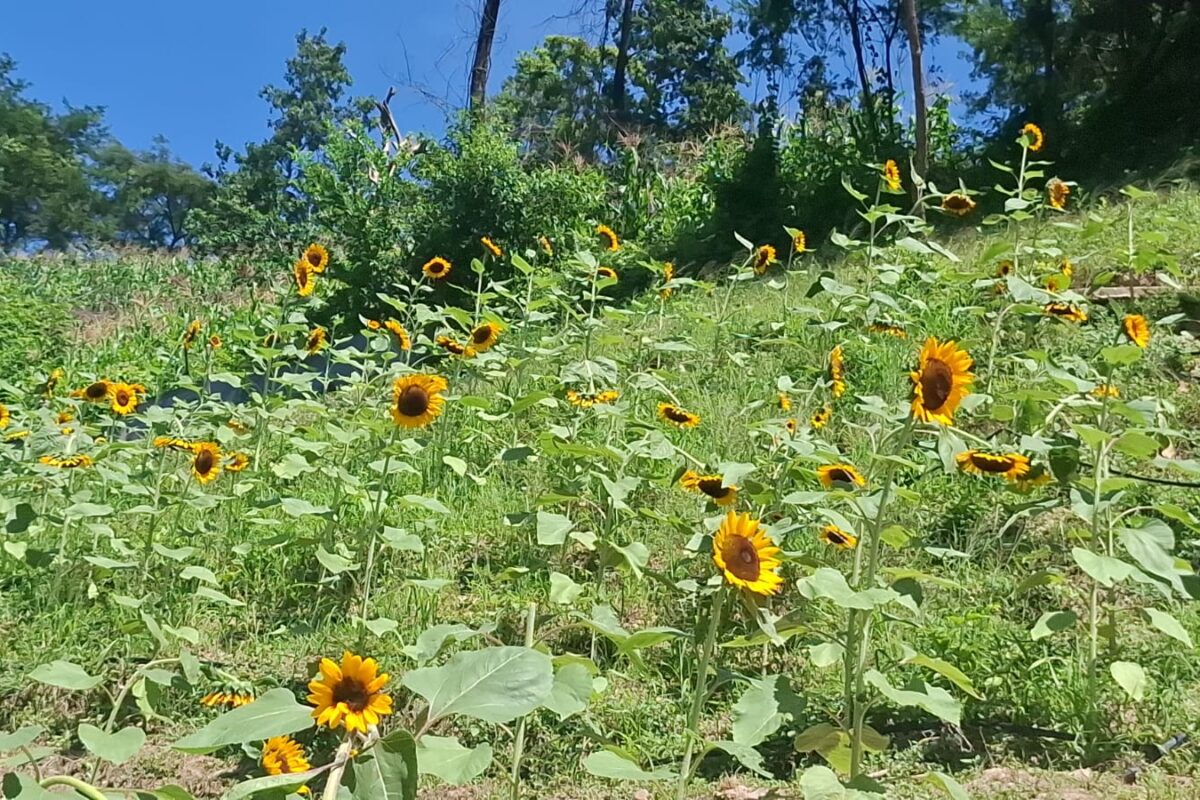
[[588, 399], [941, 381], [283, 755], [833, 535], [837, 371], [891, 175], [799, 242], [237, 461], [491, 246], [206, 461], [746, 556], [892, 329], [400, 333], [62, 418], [1032, 137], [124, 397], [1065, 311], [214, 341], [1004, 268], [5, 416], [1057, 193], [454, 347], [436, 268], [832, 475], [785, 402], [668, 276], [417, 400], [609, 238], [317, 257], [1136, 329], [711, 485], [349, 694], [546, 245], [820, 418], [306, 279], [315, 340], [958, 204], [94, 392], [193, 330], [607, 273], [1006, 465], [69, 462], [485, 335], [764, 257], [677, 416], [1104, 390]]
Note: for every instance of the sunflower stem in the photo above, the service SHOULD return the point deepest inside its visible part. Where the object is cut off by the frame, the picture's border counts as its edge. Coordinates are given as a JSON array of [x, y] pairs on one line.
[[519, 742], [340, 760], [699, 691], [1099, 458], [376, 517], [85, 789]]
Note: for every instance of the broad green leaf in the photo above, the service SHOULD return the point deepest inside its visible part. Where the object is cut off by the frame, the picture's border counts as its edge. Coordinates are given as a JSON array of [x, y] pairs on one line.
[[496, 684], [934, 699], [1130, 677], [296, 507], [821, 783], [19, 738], [445, 758], [272, 786], [432, 640], [756, 714], [273, 714], [1052, 622], [571, 691], [552, 529], [388, 771], [607, 764], [948, 785], [212, 594], [1121, 355], [946, 670], [335, 564], [1146, 548], [750, 758], [1103, 569], [1159, 619], [1136, 444], [427, 503], [830, 584], [815, 738], [20, 787], [116, 748], [826, 654], [65, 675]]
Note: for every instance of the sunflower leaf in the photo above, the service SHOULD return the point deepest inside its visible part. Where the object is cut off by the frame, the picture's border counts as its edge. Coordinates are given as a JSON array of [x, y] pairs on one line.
[[618, 767], [496, 684], [446, 758], [388, 771], [273, 714]]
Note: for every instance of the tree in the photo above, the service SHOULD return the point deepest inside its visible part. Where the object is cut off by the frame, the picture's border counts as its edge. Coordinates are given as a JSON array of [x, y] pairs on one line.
[[482, 62], [913, 27], [619, 92], [151, 195]]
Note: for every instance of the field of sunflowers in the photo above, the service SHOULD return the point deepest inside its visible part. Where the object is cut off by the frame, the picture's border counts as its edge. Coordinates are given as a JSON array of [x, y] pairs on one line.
[[907, 513]]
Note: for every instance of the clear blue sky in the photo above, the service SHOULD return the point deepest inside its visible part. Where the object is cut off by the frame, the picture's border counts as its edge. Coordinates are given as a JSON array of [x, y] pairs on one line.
[[191, 69]]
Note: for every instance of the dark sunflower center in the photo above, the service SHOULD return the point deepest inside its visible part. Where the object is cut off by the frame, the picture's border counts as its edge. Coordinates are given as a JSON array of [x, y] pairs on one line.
[[96, 391], [122, 397], [840, 476], [351, 692], [956, 202], [937, 380], [676, 414], [481, 334], [741, 558], [713, 488], [835, 537], [988, 463], [314, 259], [204, 462], [413, 401]]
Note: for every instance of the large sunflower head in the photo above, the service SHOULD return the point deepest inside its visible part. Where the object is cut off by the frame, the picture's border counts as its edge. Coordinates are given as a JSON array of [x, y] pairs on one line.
[[833, 535], [608, 238], [941, 381], [417, 400], [402, 337], [317, 257], [679, 417], [436, 268], [711, 485], [316, 340], [237, 461], [484, 335], [746, 555], [1136, 329], [193, 330], [1031, 137], [820, 418], [1057, 193], [206, 461], [124, 397], [764, 257], [491, 246], [840, 475], [349, 694], [306, 279], [958, 204], [1000, 465], [891, 175], [94, 392], [1067, 312], [283, 755]]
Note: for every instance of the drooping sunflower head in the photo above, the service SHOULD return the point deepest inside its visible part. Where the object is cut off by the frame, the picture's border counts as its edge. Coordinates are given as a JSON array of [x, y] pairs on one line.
[[837, 371], [1010, 466], [349, 694], [891, 175], [52, 380], [1106, 390], [124, 397], [94, 392], [1038, 475], [607, 273], [608, 237], [1067, 312], [589, 399], [491, 246], [317, 257], [746, 556], [1136, 329], [417, 400], [1004, 268], [836, 537], [546, 245], [800, 242], [206, 461], [455, 347], [400, 333], [230, 696], [785, 402], [306, 279], [283, 755], [1031, 137], [841, 476], [791, 426], [316, 340], [69, 462], [711, 485], [214, 341], [1065, 267], [764, 257], [679, 417], [237, 461], [1057, 193], [436, 268], [942, 379], [174, 443], [193, 330], [484, 335], [958, 204], [820, 418], [893, 329]]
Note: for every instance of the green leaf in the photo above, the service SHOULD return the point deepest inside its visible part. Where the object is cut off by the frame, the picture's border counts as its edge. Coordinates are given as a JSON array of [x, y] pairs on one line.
[[552, 529], [334, 563], [1103, 569], [563, 590], [821, 783], [750, 758], [608, 764], [946, 670], [1146, 548], [277, 785], [497, 684], [24, 788], [1121, 355], [1130, 677], [274, 714], [1159, 619], [1052, 622], [116, 748], [948, 785], [1136, 444], [295, 507], [826, 655], [388, 771], [830, 584], [212, 594], [431, 641], [65, 675], [445, 758], [19, 738], [571, 691], [934, 699], [756, 714], [427, 503]]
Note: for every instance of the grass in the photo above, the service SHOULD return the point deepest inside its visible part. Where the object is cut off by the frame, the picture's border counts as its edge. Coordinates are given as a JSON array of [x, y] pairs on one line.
[[147, 562]]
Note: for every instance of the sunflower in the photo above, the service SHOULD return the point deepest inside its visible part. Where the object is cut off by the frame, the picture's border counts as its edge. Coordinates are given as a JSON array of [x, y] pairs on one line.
[[436, 268], [238, 427], [833, 535], [172, 443], [677, 416], [832, 475], [485, 335], [1032, 137], [283, 755], [1007, 465], [214, 341], [589, 399], [70, 462], [193, 330], [491, 246], [891, 175], [799, 242], [124, 397], [52, 380], [94, 392], [837, 371], [1137, 329], [206, 461], [237, 462], [820, 418], [1004, 268], [792, 426], [417, 400], [400, 333], [668, 276], [941, 381], [17, 436], [373, 324], [62, 418], [454, 347], [1065, 311], [609, 237], [306, 279], [711, 485], [546, 245], [316, 340], [746, 556], [5, 416], [764, 257], [892, 329], [607, 273], [1057, 193], [958, 204], [1038, 475], [1066, 267], [228, 697], [785, 402], [1104, 390], [317, 257], [349, 694]]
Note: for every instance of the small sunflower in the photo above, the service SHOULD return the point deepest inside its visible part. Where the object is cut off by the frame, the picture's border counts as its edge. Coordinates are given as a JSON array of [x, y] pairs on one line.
[[316, 340], [306, 279], [677, 416], [791, 426], [317, 257], [1005, 465], [546, 245], [173, 443], [892, 329], [283, 755], [238, 427], [229, 697], [417, 400], [491, 246], [589, 399], [454, 347], [5, 416], [785, 402], [1057, 193], [17, 436], [1065, 311], [436, 268], [1032, 137], [214, 341], [1004, 268], [799, 242], [193, 330], [891, 175], [52, 380], [837, 371], [958, 204], [373, 324], [206, 461], [237, 461], [1104, 390], [820, 418], [668, 276], [94, 392], [764, 257], [1038, 475], [711, 485], [70, 462], [485, 335], [833, 475], [400, 333], [833, 535], [1065, 267], [941, 381], [61, 418], [350, 694], [607, 273], [1136, 329], [124, 397], [609, 237], [746, 556]]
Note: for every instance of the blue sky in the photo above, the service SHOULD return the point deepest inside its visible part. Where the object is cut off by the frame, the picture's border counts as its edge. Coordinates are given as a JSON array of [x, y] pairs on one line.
[[191, 69]]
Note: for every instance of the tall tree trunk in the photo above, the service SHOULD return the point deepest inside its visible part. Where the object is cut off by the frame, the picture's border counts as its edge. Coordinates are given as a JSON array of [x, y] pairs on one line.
[[856, 39], [617, 91], [921, 160], [483, 53]]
